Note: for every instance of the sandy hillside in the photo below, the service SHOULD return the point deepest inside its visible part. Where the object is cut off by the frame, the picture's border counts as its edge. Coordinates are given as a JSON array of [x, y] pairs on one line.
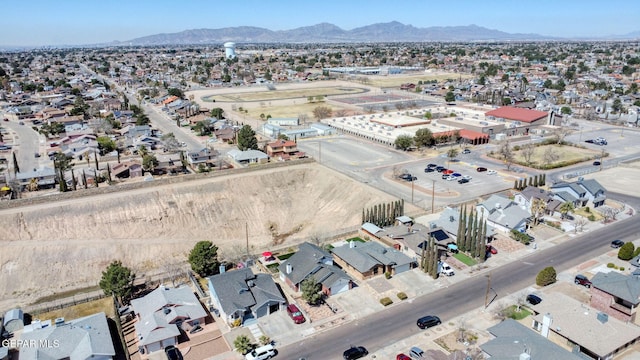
[[58, 246]]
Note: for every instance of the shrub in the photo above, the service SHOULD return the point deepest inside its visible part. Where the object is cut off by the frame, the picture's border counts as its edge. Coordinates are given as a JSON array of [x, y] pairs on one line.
[[402, 296], [387, 275], [591, 217], [636, 252], [386, 301], [611, 265], [242, 344], [626, 251], [546, 276], [264, 340], [621, 268], [587, 209]]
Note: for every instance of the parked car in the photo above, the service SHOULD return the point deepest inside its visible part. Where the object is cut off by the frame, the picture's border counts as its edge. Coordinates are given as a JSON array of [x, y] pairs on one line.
[[37, 155], [466, 151], [533, 299], [617, 243], [582, 280], [491, 249], [416, 353], [173, 353], [405, 176], [481, 169], [456, 174], [411, 178], [262, 353], [402, 357], [468, 177], [295, 314], [448, 171], [463, 181], [432, 166], [428, 321], [440, 169], [491, 172], [596, 163], [429, 169], [355, 352]]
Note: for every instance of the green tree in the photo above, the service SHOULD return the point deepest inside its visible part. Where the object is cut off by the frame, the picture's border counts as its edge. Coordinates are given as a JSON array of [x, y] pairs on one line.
[[626, 251], [404, 142], [149, 162], [105, 144], [311, 290], [565, 110], [546, 276], [176, 92], [450, 97], [423, 138], [217, 113], [204, 258], [566, 208], [247, 138], [243, 344], [117, 280], [452, 153]]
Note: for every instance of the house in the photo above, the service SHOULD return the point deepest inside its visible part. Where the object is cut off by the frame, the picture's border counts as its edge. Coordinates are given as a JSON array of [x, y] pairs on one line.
[[242, 296], [581, 193], [282, 149], [45, 176], [502, 214], [582, 329], [13, 320], [370, 230], [159, 314], [312, 261], [527, 196], [169, 163], [512, 340], [85, 338], [127, 169], [449, 220], [366, 260], [248, 156], [204, 157], [283, 121], [617, 295], [411, 238]]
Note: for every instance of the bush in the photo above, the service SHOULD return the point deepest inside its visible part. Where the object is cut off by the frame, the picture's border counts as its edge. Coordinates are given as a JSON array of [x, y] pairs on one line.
[[386, 301], [387, 275], [591, 217], [546, 276], [402, 296], [521, 237], [621, 268], [243, 344], [611, 265], [264, 340], [636, 252], [626, 251], [587, 209]]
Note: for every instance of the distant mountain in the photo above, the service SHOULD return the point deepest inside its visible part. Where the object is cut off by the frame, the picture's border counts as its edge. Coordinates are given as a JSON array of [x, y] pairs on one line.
[[326, 33]]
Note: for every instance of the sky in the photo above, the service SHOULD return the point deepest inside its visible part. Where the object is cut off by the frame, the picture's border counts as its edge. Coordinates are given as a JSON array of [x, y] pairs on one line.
[[85, 22]]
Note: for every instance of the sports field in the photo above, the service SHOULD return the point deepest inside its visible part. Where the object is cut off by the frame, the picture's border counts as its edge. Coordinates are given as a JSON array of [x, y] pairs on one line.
[[290, 94]]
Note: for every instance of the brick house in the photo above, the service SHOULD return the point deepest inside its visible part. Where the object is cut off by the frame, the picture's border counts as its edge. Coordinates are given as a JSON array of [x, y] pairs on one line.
[[617, 295], [282, 149]]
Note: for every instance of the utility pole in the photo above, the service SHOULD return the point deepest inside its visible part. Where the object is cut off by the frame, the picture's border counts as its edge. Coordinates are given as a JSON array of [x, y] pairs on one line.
[[433, 195], [486, 295], [412, 189], [246, 232]]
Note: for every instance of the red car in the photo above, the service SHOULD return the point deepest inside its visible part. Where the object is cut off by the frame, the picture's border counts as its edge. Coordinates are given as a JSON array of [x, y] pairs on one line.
[[492, 250], [448, 172], [402, 357], [295, 314]]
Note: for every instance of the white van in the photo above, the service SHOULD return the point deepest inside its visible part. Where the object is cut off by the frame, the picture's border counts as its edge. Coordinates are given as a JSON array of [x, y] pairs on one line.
[[261, 353]]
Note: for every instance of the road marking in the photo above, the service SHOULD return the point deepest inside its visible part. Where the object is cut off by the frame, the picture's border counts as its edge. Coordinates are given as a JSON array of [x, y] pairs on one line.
[[527, 263]]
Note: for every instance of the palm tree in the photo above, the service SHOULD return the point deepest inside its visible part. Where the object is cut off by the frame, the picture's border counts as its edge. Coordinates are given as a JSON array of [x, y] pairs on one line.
[[566, 208], [538, 207]]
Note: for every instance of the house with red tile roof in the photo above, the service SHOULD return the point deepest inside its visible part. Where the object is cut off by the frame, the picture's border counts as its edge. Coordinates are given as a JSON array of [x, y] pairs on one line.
[[519, 121]]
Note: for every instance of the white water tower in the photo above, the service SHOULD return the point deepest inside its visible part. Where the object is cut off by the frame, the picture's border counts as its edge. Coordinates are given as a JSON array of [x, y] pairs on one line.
[[230, 50]]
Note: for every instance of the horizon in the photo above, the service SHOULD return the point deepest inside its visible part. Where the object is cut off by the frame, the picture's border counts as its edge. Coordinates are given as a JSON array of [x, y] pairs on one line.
[[69, 23]]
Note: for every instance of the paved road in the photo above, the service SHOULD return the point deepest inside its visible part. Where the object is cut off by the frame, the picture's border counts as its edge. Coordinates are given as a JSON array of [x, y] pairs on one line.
[[27, 142], [398, 322]]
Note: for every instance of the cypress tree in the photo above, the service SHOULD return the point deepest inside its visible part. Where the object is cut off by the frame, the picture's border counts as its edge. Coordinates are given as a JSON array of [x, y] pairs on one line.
[[390, 216], [483, 240], [463, 234], [434, 261], [423, 257], [460, 227], [109, 172], [469, 232], [535, 181], [363, 218], [383, 217], [401, 207], [474, 236], [530, 181], [16, 168], [515, 184], [84, 179], [544, 179], [73, 181], [95, 156]]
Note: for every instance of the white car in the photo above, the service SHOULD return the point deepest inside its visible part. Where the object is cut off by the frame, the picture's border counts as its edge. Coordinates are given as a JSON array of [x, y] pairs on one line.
[[261, 353], [491, 172], [468, 177]]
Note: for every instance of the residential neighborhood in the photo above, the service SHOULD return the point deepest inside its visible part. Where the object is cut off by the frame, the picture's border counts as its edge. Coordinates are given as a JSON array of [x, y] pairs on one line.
[[302, 202]]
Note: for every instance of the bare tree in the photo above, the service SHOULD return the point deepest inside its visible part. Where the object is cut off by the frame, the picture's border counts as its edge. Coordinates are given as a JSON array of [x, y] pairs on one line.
[[527, 152], [340, 113], [173, 269], [322, 112], [560, 133], [609, 213], [550, 156], [579, 224], [538, 207], [507, 154]]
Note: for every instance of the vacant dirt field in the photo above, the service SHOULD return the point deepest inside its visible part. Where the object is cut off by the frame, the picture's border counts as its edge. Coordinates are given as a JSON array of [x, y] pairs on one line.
[[55, 247]]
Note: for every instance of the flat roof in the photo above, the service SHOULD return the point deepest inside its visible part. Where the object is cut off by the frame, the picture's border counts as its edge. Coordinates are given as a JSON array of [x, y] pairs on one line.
[[578, 322], [517, 114]]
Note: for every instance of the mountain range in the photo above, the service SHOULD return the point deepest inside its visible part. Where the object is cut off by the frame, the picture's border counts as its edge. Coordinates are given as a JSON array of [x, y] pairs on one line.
[[328, 33]]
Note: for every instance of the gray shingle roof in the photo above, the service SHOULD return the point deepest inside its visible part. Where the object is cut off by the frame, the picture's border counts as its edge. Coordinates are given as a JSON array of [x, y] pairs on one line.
[[308, 259], [592, 186], [155, 324], [513, 338], [371, 228], [623, 286], [240, 290], [505, 212], [82, 338], [364, 256]]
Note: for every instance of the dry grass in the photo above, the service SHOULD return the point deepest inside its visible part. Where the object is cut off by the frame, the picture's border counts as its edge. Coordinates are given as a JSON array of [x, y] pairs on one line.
[[267, 95], [290, 110], [565, 153], [77, 311], [396, 81]]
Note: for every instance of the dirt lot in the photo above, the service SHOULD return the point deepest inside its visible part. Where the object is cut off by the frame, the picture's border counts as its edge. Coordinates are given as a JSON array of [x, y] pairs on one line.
[[55, 247]]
